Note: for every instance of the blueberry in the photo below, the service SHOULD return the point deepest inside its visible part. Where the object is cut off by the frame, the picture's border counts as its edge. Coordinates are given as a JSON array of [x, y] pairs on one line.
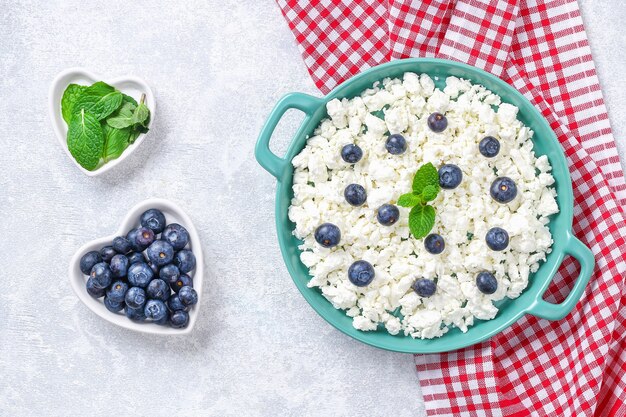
[[351, 153], [355, 195], [135, 314], [89, 260], [160, 252], [489, 146], [497, 238], [165, 319], [101, 274], [169, 273], [176, 235], [122, 245], [107, 253], [119, 265], [155, 310], [135, 297], [139, 274], [437, 122], [113, 306], [188, 296], [424, 287], [179, 319], [93, 289], [136, 257], [434, 244], [117, 291], [327, 235], [158, 290], [486, 282], [154, 220], [174, 303], [143, 238], [132, 239], [396, 144], [450, 176], [503, 190], [387, 214], [185, 260], [154, 267], [361, 273], [183, 281]]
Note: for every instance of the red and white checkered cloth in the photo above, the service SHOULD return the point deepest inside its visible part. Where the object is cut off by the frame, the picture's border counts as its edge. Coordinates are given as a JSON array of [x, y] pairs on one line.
[[572, 367]]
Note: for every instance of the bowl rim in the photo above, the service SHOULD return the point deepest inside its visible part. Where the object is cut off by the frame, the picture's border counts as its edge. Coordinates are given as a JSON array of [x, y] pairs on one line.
[[131, 219], [281, 168], [58, 86]]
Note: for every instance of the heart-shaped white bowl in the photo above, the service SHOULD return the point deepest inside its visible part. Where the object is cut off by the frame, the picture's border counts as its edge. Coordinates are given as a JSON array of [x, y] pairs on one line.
[[173, 214], [131, 86]]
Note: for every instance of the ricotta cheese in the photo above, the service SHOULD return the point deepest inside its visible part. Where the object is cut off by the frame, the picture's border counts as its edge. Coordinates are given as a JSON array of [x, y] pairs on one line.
[[464, 215]]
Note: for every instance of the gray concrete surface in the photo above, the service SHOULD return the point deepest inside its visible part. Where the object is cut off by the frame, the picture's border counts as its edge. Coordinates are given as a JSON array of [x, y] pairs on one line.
[[605, 29], [216, 68]]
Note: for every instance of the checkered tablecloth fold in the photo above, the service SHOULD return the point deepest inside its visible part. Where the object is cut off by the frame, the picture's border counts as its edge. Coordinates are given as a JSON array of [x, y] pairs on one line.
[[572, 367], [418, 28], [480, 33]]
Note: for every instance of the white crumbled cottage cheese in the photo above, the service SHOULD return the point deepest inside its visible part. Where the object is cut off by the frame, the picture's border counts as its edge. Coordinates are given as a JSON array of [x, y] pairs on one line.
[[464, 215]]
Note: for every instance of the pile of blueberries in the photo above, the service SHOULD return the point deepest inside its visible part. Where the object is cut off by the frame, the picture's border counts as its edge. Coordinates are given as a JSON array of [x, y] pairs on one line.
[[503, 190], [145, 273]]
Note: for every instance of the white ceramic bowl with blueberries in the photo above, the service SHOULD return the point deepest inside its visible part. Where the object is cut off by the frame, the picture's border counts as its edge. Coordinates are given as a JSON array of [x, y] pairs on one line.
[[148, 275]]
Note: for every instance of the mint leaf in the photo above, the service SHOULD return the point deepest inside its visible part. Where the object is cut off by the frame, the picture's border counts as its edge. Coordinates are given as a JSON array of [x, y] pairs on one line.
[[141, 115], [125, 110], [143, 128], [85, 139], [409, 200], [133, 136], [430, 193], [426, 175], [115, 141], [130, 115], [100, 99], [70, 95], [128, 99], [101, 87], [421, 220], [119, 122], [123, 117]]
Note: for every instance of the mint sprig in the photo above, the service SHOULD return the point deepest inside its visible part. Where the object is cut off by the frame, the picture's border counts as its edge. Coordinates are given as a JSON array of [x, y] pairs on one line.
[[102, 122], [425, 189]]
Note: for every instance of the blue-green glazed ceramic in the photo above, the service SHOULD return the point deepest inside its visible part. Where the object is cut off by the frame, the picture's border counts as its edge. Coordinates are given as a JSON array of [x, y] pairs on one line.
[[545, 143]]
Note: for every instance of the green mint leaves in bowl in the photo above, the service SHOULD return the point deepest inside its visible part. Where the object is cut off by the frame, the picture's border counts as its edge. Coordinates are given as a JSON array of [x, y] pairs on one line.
[[425, 189], [102, 122]]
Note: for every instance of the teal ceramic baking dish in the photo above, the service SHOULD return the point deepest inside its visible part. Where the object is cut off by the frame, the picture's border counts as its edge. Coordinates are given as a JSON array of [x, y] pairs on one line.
[[545, 143]]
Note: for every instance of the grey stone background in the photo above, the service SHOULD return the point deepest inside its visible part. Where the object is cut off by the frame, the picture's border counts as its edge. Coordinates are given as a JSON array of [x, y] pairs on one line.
[[217, 68]]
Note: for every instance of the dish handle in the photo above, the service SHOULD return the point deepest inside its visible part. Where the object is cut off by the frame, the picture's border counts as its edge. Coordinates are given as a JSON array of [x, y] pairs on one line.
[[584, 256], [273, 164]]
